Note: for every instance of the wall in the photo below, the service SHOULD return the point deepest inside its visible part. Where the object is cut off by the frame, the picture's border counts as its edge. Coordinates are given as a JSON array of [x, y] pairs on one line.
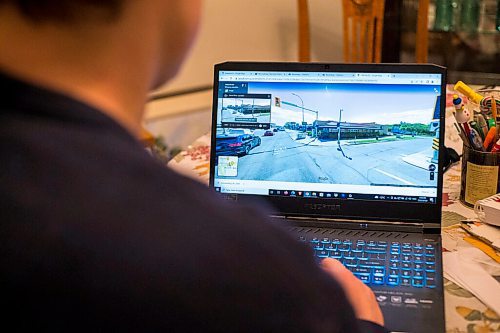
[[246, 30]]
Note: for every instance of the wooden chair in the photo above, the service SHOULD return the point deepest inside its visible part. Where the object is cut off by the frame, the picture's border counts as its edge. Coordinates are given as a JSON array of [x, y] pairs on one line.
[[422, 35], [363, 22], [363, 25], [303, 31]]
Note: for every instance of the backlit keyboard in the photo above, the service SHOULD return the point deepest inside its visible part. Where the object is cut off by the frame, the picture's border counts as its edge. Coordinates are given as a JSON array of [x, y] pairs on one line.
[[380, 262]]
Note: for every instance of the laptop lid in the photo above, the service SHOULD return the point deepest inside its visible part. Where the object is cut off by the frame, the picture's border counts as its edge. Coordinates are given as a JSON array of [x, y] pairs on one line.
[[352, 141]]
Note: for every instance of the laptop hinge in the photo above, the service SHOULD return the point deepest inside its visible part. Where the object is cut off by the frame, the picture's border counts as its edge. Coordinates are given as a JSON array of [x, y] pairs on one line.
[[432, 228], [355, 224]]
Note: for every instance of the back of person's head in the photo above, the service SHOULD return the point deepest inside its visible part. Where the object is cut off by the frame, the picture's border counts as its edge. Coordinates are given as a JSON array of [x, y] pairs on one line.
[[67, 11]]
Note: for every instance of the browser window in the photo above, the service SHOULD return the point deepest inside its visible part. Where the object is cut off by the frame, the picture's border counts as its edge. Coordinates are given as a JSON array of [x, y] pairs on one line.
[[328, 135]]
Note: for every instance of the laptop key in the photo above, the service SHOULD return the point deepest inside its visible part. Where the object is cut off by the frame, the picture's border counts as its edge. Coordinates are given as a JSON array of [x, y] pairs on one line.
[[331, 247], [349, 255], [378, 280], [318, 246], [418, 258], [358, 248], [372, 263], [336, 254], [406, 257], [344, 247], [406, 273], [393, 280], [365, 278], [379, 271], [429, 252], [375, 249], [351, 262], [322, 254], [418, 274], [394, 265], [430, 283], [361, 270], [395, 250], [406, 265], [417, 282], [430, 267], [405, 282], [430, 260], [394, 272], [418, 266], [394, 257]]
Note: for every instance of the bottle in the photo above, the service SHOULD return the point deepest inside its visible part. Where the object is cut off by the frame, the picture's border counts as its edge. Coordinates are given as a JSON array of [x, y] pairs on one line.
[[498, 15], [469, 15], [444, 15]]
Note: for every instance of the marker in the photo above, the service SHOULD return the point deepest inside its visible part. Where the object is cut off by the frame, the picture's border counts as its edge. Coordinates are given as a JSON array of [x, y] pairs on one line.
[[489, 138], [466, 128], [496, 147], [475, 140], [491, 123], [478, 129]]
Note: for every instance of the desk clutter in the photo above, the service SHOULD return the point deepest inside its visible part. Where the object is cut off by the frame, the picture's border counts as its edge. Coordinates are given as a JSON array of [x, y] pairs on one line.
[[478, 124]]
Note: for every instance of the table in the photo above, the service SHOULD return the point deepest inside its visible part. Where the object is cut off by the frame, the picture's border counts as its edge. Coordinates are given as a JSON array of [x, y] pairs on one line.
[[464, 313]]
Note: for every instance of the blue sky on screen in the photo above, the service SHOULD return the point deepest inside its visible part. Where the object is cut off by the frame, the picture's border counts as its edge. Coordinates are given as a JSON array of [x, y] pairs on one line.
[[383, 104]]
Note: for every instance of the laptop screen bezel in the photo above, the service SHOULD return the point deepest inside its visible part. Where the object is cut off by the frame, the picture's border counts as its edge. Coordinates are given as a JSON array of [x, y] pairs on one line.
[[414, 212]]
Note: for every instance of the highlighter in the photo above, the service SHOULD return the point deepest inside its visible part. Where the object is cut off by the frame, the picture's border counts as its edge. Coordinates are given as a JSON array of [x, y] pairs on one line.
[[467, 91], [489, 138]]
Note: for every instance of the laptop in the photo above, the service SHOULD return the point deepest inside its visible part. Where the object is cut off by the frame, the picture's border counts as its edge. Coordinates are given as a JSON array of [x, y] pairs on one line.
[[351, 157]]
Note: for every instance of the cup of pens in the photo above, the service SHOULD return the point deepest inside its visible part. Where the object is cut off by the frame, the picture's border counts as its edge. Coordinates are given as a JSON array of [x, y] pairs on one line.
[[479, 127]]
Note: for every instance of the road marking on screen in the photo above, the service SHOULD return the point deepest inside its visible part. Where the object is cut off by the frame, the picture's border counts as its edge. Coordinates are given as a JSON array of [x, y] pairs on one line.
[[394, 177]]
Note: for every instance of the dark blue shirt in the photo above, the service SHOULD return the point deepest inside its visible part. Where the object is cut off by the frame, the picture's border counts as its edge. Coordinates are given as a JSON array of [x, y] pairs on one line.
[[98, 236]]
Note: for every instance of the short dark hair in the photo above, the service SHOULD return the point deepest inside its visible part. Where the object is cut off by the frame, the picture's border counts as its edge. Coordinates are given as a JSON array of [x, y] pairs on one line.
[[66, 11]]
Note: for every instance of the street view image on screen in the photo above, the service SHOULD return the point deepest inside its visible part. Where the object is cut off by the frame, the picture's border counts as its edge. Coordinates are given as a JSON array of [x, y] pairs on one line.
[[328, 135]]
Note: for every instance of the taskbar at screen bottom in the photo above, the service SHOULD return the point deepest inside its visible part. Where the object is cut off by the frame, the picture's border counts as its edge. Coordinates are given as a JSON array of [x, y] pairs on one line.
[[347, 196]]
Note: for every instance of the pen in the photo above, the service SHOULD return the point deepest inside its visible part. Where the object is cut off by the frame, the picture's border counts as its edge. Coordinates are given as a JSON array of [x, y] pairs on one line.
[[483, 124], [461, 134], [495, 114]]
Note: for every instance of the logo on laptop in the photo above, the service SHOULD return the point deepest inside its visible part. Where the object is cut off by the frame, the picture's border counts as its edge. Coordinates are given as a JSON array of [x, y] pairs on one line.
[[332, 208]]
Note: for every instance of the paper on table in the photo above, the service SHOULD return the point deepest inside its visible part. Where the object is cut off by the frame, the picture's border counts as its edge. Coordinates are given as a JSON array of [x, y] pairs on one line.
[[465, 268]]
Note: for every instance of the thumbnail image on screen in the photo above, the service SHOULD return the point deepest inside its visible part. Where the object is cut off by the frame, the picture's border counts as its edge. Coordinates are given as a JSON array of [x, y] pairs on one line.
[[359, 134]]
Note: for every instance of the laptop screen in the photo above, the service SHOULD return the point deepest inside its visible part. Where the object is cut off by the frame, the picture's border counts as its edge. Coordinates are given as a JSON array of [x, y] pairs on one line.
[[338, 135]]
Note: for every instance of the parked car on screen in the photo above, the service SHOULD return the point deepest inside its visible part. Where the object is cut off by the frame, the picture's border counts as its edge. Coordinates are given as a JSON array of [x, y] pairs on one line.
[[301, 136], [268, 133], [239, 145]]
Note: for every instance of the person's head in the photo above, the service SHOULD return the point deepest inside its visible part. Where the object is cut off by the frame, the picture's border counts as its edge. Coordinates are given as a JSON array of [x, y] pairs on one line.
[[172, 22]]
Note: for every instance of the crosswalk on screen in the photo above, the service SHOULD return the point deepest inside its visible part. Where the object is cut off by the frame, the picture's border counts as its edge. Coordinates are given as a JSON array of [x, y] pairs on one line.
[[328, 135]]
